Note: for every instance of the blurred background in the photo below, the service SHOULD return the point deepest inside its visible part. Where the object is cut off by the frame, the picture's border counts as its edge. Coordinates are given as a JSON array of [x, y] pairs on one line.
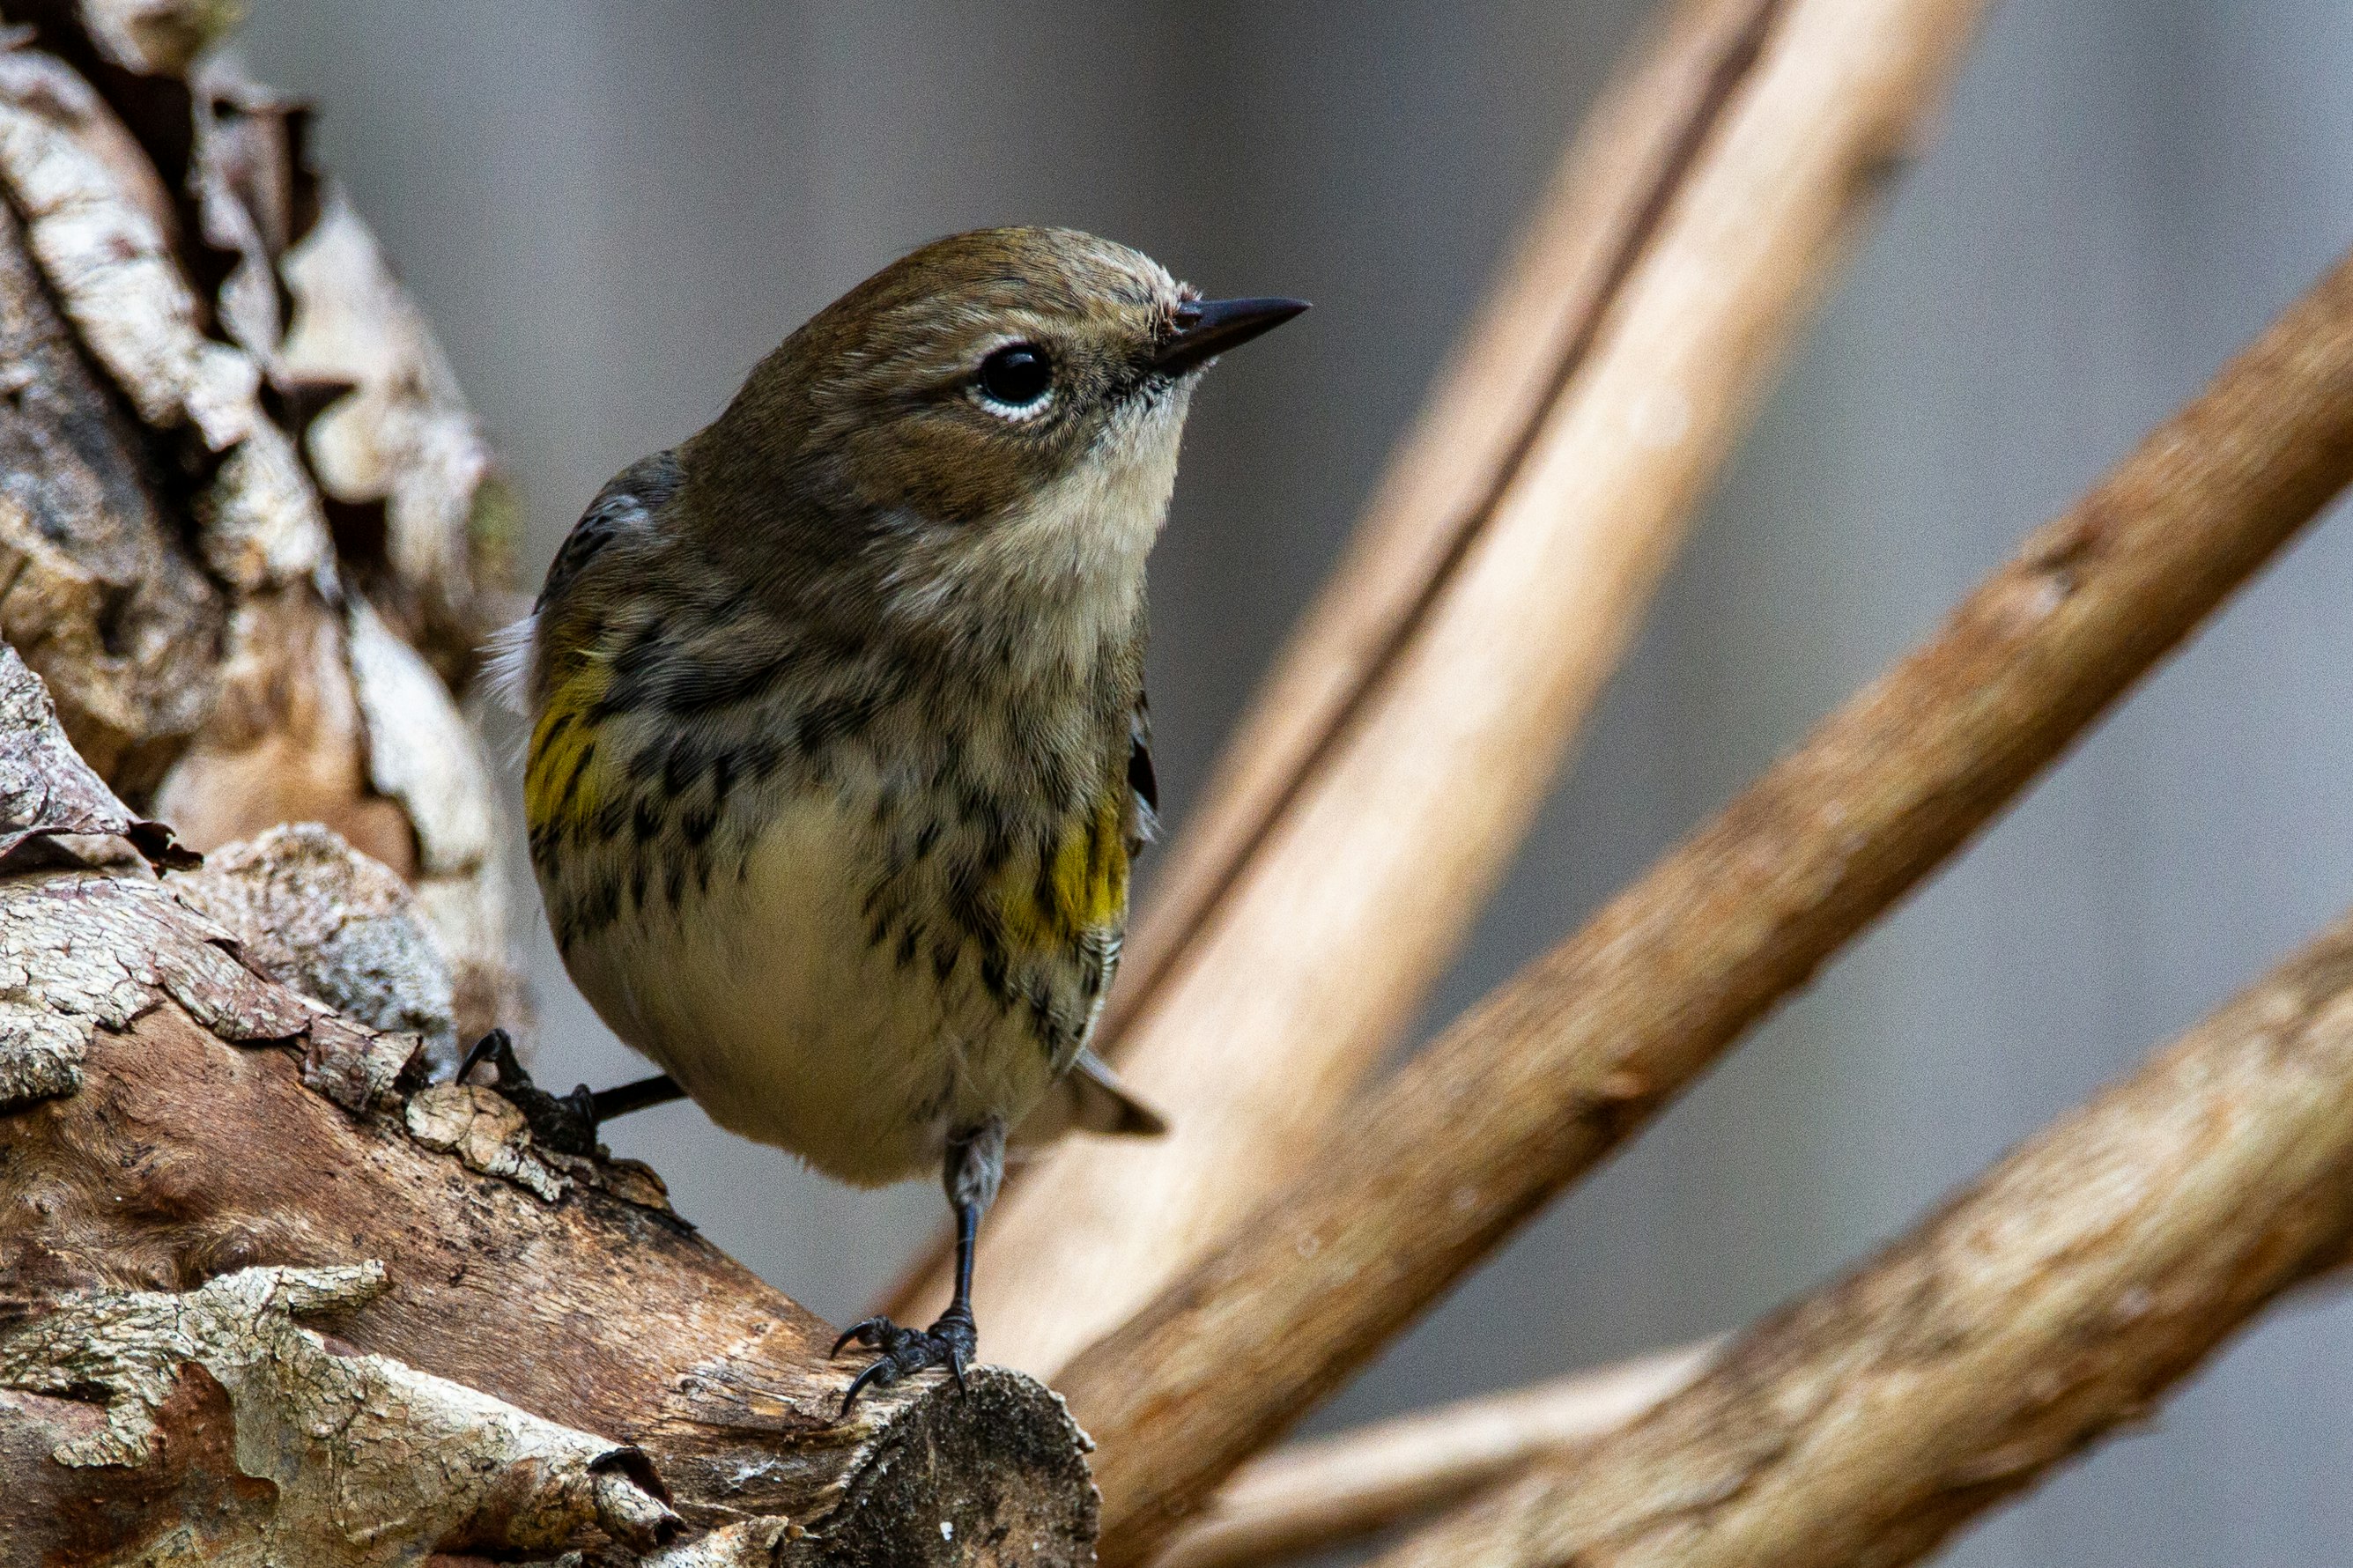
[[611, 210]]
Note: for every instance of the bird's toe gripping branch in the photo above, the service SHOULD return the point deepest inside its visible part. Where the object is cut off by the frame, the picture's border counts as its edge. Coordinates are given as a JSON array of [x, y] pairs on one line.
[[564, 1122], [952, 1342]]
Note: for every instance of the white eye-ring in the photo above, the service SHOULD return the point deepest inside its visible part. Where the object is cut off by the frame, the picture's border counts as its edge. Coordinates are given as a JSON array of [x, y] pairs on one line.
[[1016, 381]]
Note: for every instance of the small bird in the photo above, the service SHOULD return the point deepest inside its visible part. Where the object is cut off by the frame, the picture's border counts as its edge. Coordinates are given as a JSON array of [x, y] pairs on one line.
[[838, 747]]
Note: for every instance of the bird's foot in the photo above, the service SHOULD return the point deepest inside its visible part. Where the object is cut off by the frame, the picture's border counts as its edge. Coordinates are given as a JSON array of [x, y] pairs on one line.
[[563, 1122], [952, 1342]]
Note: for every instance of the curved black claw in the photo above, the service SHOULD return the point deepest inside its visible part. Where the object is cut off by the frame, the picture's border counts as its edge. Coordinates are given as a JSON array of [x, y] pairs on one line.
[[951, 1342], [867, 1331], [497, 1047], [563, 1122]]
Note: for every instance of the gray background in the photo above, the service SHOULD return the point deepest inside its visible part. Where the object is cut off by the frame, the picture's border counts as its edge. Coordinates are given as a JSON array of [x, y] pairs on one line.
[[612, 209]]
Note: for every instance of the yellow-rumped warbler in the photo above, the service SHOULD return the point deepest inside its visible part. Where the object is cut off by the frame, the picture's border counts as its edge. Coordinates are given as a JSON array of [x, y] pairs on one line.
[[838, 747]]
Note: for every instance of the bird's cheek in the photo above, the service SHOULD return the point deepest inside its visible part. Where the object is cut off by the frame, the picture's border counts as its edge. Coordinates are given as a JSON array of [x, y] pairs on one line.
[[935, 468]]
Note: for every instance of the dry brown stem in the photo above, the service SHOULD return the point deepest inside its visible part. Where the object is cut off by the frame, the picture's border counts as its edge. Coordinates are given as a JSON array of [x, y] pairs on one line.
[[1446, 482], [1314, 1495], [1524, 1094], [1402, 751], [2049, 1303]]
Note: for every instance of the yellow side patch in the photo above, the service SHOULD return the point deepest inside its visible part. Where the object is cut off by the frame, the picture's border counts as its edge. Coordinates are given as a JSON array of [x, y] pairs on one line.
[[1084, 888], [562, 776]]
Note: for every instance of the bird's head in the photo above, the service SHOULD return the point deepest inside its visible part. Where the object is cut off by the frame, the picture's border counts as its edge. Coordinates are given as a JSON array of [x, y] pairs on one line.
[[989, 421]]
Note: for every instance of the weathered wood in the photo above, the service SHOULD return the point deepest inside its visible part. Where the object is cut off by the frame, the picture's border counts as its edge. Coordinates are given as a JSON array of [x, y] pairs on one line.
[[46, 792], [1533, 1087], [183, 1160], [223, 655], [97, 588], [1617, 178], [200, 1167], [424, 521], [1506, 570], [2053, 1301]]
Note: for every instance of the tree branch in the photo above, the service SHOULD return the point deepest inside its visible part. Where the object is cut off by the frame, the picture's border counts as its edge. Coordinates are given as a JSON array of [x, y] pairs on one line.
[[529, 1352], [2052, 1301], [1312, 1496], [1503, 574], [1526, 1093]]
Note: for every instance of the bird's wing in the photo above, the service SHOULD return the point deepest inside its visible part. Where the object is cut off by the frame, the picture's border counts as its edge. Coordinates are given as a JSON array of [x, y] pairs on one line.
[[627, 501], [626, 504], [1142, 818], [1088, 1096]]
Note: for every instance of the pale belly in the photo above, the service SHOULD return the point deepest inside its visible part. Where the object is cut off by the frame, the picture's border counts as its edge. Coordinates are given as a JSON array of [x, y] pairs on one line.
[[762, 995]]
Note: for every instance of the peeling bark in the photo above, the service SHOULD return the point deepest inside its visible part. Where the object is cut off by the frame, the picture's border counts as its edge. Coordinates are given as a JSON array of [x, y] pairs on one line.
[[286, 740], [598, 1314], [424, 758], [85, 951], [157, 37], [93, 222], [48, 791], [309, 911], [401, 451], [382, 1461], [170, 564], [98, 590]]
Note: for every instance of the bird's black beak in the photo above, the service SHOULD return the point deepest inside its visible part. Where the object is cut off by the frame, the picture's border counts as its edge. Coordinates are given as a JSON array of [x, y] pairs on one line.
[[1207, 328]]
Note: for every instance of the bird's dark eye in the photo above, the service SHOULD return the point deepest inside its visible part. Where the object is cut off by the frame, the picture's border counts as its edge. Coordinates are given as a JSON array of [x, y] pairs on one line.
[[1017, 376]]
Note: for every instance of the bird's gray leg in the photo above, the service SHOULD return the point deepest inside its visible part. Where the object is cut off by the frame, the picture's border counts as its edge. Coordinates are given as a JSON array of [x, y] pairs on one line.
[[975, 1164]]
